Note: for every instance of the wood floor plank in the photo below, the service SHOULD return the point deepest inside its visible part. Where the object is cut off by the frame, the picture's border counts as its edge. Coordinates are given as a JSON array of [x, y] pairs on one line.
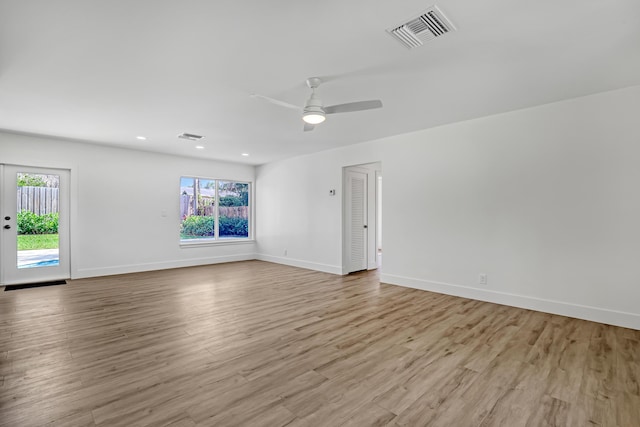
[[512, 409], [549, 412], [370, 415], [260, 344]]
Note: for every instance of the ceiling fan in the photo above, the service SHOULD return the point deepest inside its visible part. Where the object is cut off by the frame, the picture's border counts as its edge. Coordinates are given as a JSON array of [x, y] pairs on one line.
[[314, 112]]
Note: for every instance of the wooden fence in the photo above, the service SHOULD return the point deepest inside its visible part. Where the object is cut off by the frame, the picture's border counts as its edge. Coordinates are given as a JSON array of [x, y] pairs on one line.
[[39, 200], [234, 211], [186, 209]]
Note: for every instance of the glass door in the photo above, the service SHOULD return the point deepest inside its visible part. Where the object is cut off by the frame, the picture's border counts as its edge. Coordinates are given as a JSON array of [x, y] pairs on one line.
[[35, 225]]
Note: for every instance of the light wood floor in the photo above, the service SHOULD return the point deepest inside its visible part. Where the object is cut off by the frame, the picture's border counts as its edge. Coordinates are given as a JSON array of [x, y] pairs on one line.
[[259, 344]]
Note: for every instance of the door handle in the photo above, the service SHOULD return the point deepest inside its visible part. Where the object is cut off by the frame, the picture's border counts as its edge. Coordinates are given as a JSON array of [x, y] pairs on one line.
[[365, 226], [6, 227]]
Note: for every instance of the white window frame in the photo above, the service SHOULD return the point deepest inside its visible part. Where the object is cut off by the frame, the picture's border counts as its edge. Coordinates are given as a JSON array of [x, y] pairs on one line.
[[215, 239]]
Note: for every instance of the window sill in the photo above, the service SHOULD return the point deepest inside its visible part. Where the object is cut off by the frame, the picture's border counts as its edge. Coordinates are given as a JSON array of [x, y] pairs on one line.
[[210, 242]]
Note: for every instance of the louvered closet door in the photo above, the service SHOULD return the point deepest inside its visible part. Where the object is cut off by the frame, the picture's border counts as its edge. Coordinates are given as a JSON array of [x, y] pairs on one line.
[[357, 220]]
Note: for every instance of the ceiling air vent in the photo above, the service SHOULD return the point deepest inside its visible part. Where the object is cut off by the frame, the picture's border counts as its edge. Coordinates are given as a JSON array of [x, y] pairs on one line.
[[190, 136], [430, 24]]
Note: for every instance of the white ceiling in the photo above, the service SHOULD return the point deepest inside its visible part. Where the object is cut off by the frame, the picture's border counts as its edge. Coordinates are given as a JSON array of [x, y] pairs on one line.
[[108, 71]]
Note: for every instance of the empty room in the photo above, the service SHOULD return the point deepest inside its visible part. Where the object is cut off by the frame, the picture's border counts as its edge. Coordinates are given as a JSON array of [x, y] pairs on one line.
[[339, 213]]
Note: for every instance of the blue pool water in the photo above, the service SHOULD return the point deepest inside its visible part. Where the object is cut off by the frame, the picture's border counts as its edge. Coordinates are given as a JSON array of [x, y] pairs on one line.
[[47, 263]]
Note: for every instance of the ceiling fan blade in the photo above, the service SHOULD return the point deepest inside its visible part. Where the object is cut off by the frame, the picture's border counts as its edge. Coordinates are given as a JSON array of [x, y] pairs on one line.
[[353, 106], [308, 127], [276, 101]]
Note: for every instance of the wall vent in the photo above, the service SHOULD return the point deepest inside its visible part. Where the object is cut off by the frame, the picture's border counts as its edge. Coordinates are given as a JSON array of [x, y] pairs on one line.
[[190, 136], [427, 26]]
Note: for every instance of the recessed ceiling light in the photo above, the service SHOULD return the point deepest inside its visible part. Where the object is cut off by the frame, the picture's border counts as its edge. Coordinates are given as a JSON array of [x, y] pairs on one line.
[[141, 138], [199, 147], [245, 154]]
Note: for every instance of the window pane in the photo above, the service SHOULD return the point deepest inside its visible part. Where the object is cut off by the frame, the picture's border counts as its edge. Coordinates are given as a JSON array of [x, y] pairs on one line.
[[197, 208], [233, 209]]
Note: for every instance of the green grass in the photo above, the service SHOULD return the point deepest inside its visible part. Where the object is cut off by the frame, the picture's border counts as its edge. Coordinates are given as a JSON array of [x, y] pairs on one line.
[[27, 242]]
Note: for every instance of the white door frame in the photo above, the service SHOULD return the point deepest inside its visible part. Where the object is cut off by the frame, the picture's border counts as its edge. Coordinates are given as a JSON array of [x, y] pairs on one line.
[[373, 170], [9, 272], [378, 219]]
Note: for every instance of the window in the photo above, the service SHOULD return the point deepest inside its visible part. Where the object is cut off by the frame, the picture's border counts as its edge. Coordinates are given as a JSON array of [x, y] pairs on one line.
[[213, 209]]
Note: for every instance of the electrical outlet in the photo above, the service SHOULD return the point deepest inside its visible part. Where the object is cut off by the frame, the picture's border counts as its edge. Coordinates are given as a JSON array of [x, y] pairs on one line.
[[482, 278], [285, 252]]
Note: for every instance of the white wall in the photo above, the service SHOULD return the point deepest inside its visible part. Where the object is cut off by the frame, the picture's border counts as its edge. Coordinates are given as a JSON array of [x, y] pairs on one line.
[[543, 200], [294, 210], [117, 197]]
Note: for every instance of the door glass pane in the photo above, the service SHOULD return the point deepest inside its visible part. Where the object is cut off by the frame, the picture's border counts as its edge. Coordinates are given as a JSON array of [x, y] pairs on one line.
[[233, 210], [37, 220]]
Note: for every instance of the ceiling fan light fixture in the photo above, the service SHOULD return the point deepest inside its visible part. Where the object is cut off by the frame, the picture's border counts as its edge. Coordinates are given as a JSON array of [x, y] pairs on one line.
[[313, 117], [313, 112]]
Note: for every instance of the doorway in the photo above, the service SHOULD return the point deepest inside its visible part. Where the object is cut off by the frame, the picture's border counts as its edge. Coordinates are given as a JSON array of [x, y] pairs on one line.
[[35, 224], [362, 237]]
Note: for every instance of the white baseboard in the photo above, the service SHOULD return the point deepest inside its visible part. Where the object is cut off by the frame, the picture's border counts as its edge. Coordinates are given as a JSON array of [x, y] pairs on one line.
[[137, 268], [326, 268], [596, 314]]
